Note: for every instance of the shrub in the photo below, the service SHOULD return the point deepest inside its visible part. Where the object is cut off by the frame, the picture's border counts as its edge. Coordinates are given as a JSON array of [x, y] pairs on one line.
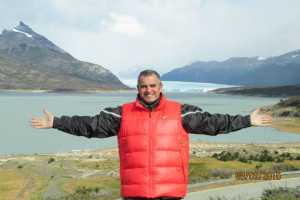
[[51, 160], [221, 173], [284, 167], [258, 166], [281, 193], [243, 159]]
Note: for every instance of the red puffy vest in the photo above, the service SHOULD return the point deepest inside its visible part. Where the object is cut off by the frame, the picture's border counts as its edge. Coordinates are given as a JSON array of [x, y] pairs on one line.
[[153, 150]]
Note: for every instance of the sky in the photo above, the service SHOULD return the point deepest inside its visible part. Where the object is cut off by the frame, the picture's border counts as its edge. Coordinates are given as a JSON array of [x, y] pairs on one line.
[[123, 35]]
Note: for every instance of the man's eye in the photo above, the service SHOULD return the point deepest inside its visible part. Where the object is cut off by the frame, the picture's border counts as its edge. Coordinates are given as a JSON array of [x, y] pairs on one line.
[[153, 85]]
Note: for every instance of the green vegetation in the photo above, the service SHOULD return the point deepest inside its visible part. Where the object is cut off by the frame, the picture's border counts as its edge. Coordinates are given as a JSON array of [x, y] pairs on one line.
[[58, 178], [289, 107], [281, 193], [204, 169], [96, 176], [286, 114], [225, 164], [104, 188], [263, 156], [51, 160]]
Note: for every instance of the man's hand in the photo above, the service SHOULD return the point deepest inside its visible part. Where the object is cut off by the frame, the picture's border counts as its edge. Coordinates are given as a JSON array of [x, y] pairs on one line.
[[259, 119], [43, 122]]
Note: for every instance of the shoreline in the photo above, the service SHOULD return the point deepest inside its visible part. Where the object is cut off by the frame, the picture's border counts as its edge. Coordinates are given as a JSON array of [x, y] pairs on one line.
[[204, 148], [64, 91], [262, 91]]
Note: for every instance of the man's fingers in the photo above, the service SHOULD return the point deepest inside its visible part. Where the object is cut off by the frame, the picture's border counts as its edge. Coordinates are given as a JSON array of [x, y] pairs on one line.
[[266, 120], [37, 122]]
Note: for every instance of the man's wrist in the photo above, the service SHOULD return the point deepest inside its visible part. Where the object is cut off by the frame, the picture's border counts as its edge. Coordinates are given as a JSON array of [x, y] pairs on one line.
[[249, 121], [56, 122]]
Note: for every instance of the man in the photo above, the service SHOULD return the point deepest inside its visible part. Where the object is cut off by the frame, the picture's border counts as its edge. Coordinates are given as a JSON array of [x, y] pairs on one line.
[[152, 137]]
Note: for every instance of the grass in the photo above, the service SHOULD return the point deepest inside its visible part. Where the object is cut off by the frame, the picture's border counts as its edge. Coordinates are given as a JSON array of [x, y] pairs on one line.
[[281, 193], [96, 165], [30, 179], [92, 179], [99, 187], [203, 169], [287, 124], [11, 182]]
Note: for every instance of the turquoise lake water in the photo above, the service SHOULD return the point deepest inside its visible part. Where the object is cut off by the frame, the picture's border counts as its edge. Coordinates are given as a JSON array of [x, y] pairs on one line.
[[18, 137]]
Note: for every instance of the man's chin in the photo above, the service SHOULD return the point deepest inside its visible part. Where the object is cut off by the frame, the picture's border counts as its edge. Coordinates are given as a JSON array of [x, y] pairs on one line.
[[149, 100]]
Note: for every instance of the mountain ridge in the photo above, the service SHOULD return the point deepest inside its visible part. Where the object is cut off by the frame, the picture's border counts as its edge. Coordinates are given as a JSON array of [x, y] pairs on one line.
[[247, 71], [30, 61]]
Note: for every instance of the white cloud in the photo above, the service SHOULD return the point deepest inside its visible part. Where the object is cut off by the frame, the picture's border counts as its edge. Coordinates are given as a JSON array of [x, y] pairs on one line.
[[161, 33], [123, 24]]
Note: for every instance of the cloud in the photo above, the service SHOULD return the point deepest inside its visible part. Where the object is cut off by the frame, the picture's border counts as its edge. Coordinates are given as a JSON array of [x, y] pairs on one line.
[[160, 33], [123, 24]]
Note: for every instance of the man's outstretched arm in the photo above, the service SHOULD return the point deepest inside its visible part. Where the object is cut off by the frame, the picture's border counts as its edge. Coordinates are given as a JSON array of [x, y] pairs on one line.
[[198, 122], [105, 124]]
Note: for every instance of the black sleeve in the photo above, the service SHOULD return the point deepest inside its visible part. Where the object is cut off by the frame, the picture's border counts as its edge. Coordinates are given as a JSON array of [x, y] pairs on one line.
[[198, 122], [105, 124]]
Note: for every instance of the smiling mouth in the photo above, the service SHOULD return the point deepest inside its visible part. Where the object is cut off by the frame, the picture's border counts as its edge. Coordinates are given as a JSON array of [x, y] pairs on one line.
[[149, 95]]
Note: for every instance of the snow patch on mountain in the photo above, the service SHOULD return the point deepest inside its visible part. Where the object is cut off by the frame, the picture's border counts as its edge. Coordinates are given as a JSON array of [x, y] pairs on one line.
[[261, 58], [27, 34]]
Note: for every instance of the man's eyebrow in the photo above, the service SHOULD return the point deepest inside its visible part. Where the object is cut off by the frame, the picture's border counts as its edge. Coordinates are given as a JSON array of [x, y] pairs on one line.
[[148, 84]]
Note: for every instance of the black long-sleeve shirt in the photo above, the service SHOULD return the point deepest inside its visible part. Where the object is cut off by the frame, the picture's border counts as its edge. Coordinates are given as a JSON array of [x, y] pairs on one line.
[[107, 123]]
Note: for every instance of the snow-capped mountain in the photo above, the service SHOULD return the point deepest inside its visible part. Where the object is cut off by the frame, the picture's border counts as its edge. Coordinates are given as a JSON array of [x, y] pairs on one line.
[[29, 60], [249, 71]]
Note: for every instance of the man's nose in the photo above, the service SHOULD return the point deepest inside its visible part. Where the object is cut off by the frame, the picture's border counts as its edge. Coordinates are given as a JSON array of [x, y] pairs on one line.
[[148, 89]]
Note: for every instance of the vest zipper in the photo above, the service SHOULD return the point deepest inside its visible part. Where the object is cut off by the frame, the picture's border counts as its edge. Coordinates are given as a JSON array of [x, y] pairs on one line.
[[150, 152]]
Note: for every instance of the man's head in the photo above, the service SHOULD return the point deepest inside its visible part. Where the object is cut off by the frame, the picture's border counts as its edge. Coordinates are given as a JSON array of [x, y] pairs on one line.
[[149, 85]]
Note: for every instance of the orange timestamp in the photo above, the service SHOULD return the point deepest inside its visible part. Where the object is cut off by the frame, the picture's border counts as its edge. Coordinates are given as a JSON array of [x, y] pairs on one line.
[[257, 175]]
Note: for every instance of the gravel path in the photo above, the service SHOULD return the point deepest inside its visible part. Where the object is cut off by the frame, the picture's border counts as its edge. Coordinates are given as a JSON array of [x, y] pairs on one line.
[[243, 191]]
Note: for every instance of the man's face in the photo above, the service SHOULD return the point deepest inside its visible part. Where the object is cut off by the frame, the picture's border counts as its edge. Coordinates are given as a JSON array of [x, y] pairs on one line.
[[149, 88]]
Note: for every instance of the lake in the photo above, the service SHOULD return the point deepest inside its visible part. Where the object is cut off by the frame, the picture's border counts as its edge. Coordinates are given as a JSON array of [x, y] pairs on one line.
[[18, 107]]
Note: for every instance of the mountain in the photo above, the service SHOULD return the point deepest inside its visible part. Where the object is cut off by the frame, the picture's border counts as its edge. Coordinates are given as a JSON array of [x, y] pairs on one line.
[[248, 71], [29, 60]]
